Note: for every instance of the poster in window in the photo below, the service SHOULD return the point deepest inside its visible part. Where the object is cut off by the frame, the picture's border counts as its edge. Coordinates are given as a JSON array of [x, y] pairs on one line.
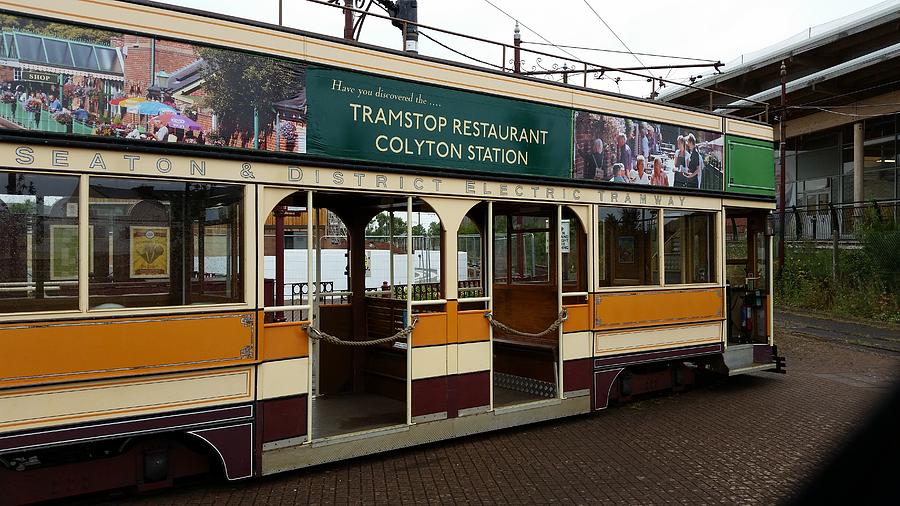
[[63, 252], [149, 252], [625, 249]]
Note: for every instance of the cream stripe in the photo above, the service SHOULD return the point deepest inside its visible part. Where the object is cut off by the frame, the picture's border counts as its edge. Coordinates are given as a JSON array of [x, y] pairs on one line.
[[474, 357], [613, 343], [282, 378], [30, 408], [576, 345], [429, 362]]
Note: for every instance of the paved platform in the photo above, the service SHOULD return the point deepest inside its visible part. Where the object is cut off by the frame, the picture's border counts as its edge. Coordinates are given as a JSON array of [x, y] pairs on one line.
[[754, 439]]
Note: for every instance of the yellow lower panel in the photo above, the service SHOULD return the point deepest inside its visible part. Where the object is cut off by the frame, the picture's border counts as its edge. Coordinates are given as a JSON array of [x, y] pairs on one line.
[[657, 307], [635, 341], [44, 352], [29, 408], [282, 340], [579, 318], [431, 329]]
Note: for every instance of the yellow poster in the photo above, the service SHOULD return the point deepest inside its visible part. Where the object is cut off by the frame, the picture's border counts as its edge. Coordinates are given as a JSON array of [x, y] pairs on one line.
[[149, 252]]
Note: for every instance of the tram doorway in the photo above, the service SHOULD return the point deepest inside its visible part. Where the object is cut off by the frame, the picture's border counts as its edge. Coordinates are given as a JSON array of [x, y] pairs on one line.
[[367, 272], [526, 300], [748, 261]]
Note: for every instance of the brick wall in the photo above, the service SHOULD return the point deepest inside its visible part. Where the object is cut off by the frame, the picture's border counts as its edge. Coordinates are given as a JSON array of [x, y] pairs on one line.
[[170, 56]]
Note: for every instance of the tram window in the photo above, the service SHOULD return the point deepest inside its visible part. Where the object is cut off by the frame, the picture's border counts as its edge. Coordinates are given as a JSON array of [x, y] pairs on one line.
[[469, 265], [571, 246], [629, 249], [689, 238], [165, 243], [38, 242], [501, 271], [522, 249]]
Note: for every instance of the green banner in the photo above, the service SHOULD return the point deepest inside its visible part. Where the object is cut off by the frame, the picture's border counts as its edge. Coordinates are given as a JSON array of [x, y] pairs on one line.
[[361, 117]]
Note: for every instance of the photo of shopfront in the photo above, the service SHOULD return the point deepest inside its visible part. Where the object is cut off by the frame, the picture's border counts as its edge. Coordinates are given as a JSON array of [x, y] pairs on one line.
[[56, 85]]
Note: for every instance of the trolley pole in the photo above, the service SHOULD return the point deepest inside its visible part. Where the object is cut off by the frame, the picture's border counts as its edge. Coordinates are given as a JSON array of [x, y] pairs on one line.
[[517, 41], [348, 20], [782, 142]]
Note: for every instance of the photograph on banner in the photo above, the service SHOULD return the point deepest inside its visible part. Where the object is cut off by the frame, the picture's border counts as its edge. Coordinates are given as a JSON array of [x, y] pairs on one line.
[[632, 151], [62, 78]]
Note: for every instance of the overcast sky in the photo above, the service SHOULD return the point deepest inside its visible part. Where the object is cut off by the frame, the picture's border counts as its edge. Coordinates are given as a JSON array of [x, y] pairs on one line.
[[711, 29]]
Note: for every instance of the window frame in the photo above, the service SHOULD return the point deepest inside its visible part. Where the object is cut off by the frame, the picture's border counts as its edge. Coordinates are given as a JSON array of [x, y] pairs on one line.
[[599, 245], [247, 267]]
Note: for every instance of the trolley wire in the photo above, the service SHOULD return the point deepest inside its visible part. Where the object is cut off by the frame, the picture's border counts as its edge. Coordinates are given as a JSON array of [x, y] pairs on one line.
[[616, 35], [517, 20], [616, 51], [460, 53]]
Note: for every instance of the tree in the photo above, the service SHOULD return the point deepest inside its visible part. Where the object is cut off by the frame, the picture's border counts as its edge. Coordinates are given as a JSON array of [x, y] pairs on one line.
[[379, 226], [237, 84]]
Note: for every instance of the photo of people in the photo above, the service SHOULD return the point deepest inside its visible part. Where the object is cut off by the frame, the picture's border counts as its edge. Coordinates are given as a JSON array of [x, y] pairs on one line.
[[61, 78], [623, 150]]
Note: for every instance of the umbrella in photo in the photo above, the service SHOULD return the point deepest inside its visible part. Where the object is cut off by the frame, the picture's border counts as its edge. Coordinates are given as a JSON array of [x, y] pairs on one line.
[[150, 107], [181, 121], [128, 101]]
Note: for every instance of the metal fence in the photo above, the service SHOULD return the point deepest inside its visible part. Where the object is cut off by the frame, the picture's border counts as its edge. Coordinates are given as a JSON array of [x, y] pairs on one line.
[[842, 258], [820, 223]]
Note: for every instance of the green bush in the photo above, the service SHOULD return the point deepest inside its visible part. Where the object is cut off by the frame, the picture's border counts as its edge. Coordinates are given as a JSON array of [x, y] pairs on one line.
[[868, 281]]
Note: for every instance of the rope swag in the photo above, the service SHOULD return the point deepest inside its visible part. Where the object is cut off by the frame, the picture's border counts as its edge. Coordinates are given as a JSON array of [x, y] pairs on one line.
[[317, 334], [563, 316]]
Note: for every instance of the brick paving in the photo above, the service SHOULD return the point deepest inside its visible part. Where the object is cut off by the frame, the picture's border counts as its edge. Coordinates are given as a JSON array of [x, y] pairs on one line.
[[744, 440]]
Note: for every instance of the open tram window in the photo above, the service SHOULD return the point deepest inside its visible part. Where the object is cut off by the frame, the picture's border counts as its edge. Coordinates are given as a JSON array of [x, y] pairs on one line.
[[471, 247], [165, 243], [523, 250], [38, 242], [573, 246], [689, 240], [629, 246], [285, 248]]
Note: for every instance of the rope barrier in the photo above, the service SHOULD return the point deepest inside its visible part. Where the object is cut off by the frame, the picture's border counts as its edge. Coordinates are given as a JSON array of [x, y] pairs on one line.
[[563, 316], [317, 334]]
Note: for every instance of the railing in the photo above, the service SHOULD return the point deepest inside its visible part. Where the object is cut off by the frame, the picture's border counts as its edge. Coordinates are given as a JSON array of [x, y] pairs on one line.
[[819, 222], [42, 120]]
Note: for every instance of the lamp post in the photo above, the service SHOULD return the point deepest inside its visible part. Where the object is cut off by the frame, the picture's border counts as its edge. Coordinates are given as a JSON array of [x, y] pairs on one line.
[[781, 173], [160, 87]]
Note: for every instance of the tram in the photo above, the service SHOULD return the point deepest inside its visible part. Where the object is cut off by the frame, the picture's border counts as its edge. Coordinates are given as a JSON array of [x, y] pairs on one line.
[[232, 247]]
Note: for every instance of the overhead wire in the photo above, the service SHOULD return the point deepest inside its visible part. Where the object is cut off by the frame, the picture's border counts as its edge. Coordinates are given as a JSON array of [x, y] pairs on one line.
[[605, 68], [616, 35], [448, 48], [585, 48], [517, 20]]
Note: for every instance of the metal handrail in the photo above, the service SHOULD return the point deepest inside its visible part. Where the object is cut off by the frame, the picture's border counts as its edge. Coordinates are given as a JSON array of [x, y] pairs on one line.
[[278, 309]]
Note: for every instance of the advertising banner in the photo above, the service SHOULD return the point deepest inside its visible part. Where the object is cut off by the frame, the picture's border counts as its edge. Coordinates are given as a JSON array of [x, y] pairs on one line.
[[196, 94], [633, 151], [356, 116]]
